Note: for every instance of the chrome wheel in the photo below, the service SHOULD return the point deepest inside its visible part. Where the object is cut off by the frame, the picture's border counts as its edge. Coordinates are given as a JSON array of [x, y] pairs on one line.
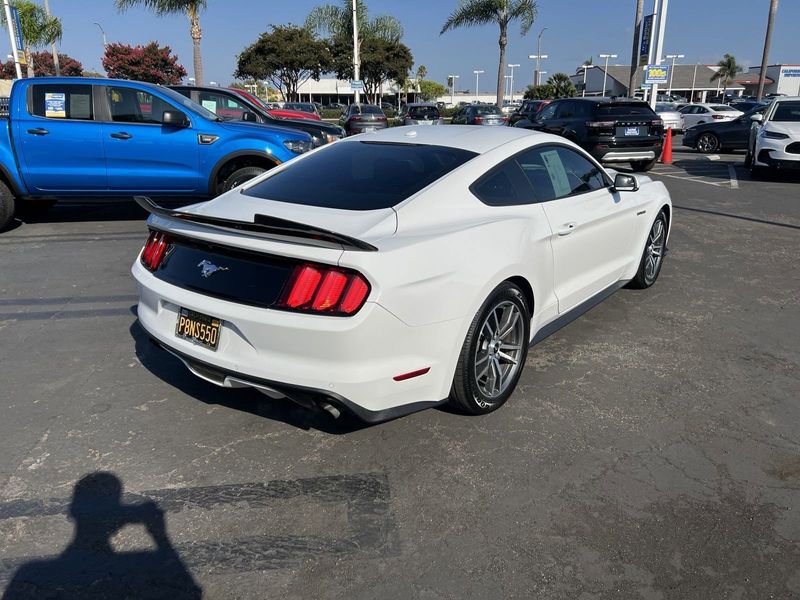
[[499, 351], [654, 252], [707, 143]]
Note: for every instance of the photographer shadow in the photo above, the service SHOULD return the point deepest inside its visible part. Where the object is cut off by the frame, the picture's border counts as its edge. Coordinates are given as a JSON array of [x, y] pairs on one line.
[[89, 568]]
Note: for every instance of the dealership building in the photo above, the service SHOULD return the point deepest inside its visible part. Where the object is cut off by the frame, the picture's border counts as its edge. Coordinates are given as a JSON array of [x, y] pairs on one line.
[[780, 79]]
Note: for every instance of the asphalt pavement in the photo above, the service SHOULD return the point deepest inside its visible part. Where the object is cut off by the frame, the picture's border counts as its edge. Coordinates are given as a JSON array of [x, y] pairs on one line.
[[651, 451]]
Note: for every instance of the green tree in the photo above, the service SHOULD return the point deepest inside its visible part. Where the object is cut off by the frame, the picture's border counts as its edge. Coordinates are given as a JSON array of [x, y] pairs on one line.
[[562, 86], [501, 12], [335, 21], [38, 28], [728, 69], [430, 90], [381, 61], [422, 72], [539, 92], [287, 56], [191, 8]]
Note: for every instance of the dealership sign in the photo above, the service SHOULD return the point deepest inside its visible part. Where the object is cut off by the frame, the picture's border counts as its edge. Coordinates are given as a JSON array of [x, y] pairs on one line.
[[656, 74], [647, 37]]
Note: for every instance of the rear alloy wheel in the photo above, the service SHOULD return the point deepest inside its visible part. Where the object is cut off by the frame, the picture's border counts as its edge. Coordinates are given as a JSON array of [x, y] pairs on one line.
[[641, 166], [653, 255], [7, 206], [239, 176], [493, 353], [707, 143]]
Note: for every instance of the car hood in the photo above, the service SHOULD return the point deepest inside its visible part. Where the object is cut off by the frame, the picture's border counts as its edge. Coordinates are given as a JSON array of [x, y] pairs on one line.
[[789, 128], [368, 225], [256, 128]]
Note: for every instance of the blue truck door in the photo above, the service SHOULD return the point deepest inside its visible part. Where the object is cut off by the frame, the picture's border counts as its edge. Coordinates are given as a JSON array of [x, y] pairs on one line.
[[60, 142], [142, 154]]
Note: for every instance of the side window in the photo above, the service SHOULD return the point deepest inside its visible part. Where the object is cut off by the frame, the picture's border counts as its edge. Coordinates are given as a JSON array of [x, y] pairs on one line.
[[700, 110], [549, 111], [129, 105], [62, 101], [505, 185], [556, 172]]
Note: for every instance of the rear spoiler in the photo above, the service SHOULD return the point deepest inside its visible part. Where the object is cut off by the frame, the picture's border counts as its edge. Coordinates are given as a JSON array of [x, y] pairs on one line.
[[263, 226]]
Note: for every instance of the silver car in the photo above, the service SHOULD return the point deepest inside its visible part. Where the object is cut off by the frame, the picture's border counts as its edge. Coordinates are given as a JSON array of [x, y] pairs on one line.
[[421, 113], [671, 117]]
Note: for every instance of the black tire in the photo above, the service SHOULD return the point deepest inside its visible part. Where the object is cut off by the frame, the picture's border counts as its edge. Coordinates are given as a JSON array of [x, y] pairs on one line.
[[468, 393], [707, 143], [239, 176], [7, 206], [647, 273], [640, 166]]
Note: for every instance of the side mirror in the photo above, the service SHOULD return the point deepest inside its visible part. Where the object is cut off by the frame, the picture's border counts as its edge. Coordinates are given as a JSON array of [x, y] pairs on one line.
[[625, 183], [757, 118], [250, 117], [174, 118]]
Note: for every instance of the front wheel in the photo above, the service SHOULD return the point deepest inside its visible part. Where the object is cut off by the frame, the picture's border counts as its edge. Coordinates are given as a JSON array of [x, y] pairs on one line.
[[7, 206], [239, 176], [653, 255], [493, 353], [640, 166], [707, 143]]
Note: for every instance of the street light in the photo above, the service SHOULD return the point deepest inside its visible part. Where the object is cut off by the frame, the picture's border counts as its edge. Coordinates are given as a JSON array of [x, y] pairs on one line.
[[477, 75], [452, 79], [605, 70], [505, 85], [585, 68], [672, 70], [100, 27], [537, 76], [512, 80]]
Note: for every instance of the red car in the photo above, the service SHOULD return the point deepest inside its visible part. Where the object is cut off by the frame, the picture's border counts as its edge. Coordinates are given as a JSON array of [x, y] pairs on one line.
[[280, 113]]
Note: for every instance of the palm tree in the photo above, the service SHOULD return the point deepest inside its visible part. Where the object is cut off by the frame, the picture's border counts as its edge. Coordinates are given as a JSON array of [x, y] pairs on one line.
[[337, 20], [190, 8], [728, 69], [38, 28], [422, 72], [482, 12], [561, 85]]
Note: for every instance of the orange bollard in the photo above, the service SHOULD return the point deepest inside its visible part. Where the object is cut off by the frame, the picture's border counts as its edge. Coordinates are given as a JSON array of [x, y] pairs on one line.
[[666, 153]]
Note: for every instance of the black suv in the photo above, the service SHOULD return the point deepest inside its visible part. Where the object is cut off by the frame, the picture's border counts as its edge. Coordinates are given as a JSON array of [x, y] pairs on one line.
[[230, 105], [612, 130]]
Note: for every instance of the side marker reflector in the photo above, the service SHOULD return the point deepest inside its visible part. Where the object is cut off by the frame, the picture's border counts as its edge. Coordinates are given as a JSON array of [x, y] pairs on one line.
[[412, 374]]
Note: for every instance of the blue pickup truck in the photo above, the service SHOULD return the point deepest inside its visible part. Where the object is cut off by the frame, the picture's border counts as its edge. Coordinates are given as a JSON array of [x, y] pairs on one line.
[[83, 137]]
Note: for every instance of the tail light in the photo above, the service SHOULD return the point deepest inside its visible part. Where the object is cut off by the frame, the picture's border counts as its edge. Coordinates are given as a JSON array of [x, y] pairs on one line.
[[381, 118], [154, 249], [600, 124], [355, 118], [326, 290], [717, 117], [505, 119], [478, 120], [657, 122]]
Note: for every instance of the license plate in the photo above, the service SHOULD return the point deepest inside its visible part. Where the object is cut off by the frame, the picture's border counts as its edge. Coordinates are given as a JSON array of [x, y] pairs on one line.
[[199, 328], [631, 131]]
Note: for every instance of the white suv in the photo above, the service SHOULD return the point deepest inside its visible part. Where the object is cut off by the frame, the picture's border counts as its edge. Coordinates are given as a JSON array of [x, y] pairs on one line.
[[775, 140]]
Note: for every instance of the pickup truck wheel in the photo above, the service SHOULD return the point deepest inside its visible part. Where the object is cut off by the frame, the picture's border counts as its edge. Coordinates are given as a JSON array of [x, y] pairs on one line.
[[7, 205], [239, 176]]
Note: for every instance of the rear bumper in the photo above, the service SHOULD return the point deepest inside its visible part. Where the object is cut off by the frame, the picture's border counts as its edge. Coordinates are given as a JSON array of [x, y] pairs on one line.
[[348, 362], [625, 151]]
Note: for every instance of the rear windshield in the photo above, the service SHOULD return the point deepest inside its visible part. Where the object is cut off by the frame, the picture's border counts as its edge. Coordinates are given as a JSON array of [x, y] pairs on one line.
[[366, 109], [665, 108], [787, 111], [360, 175], [423, 112], [722, 108], [623, 110], [487, 109]]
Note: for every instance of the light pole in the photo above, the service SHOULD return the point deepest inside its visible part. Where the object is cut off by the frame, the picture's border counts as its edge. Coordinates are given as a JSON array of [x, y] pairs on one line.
[[477, 75], [585, 68], [356, 60], [672, 70], [452, 79], [505, 85], [512, 80], [11, 26], [537, 76], [100, 27], [605, 69]]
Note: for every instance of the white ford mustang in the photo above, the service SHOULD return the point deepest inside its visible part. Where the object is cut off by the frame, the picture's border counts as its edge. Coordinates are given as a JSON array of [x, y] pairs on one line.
[[395, 271]]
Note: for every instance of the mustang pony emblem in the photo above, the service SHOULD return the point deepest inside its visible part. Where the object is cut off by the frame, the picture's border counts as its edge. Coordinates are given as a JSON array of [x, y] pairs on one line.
[[209, 268]]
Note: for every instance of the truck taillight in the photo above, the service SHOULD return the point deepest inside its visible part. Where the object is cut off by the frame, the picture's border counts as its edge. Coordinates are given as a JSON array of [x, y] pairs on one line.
[[326, 290], [154, 249], [600, 124]]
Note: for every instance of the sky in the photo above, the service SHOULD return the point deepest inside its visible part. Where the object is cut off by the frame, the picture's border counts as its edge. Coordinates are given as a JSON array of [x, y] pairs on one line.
[[702, 30]]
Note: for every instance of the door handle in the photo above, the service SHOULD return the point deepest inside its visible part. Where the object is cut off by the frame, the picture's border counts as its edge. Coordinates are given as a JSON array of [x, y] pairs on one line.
[[38, 131], [567, 228], [121, 136]]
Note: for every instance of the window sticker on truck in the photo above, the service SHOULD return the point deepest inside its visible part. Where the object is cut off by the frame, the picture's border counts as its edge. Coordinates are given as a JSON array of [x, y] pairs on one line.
[[55, 105]]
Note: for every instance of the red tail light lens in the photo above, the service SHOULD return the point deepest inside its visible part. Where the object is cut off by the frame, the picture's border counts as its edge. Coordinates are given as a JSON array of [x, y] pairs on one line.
[[154, 249], [324, 290], [717, 116], [478, 120]]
